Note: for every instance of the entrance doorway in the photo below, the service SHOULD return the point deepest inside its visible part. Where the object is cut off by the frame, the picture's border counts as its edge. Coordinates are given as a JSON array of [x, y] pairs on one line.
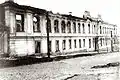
[[37, 47]]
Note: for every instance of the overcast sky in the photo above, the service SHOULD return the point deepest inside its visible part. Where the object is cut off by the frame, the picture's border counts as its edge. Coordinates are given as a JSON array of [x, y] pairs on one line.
[[108, 9]]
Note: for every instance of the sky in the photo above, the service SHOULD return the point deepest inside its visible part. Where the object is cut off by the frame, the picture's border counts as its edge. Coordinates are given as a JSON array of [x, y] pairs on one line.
[[108, 9]]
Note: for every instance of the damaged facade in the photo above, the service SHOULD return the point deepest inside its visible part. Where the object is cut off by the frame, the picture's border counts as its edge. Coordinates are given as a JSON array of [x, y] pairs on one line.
[[67, 33]]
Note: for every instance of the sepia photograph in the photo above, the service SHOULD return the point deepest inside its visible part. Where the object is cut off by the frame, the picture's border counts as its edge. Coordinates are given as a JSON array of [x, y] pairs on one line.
[[59, 40]]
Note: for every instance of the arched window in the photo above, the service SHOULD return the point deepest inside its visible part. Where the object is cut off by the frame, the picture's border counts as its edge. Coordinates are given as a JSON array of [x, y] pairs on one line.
[[83, 28], [79, 28], [36, 24], [56, 29], [49, 26], [69, 27], [88, 28], [63, 26], [74, 27]]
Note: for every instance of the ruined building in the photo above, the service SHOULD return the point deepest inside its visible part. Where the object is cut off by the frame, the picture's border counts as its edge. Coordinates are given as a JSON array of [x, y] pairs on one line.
[[25, 31]]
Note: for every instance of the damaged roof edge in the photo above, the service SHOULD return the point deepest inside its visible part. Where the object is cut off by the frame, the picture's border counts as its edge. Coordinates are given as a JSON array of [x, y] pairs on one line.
[[24, 7]]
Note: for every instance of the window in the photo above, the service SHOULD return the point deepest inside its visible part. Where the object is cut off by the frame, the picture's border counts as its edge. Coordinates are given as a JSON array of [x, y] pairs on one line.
[[74, 27], [94, 28], [69, 44], [36, 24], [63, 26], [105, 30], [69, 27], [88, 28], [75, 44], [79, 43], [64, 44], [79, 29], [93, 42], [57, 45], [83, 28], [83, 42], [49, 26], [37, 47], [56, 29], [101, 41], [19, 22], [89, 43], [100, 30]]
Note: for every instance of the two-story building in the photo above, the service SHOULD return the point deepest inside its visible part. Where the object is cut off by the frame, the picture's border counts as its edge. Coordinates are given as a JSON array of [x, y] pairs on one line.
[[67, 33]]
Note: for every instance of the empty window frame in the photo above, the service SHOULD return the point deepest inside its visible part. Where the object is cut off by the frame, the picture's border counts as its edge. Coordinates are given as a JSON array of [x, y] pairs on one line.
[[19, 22], [70, 46], [36, 24], [49, 26], [69, 27], [63, 26], [56, 28], [64, 44], [79, 28], [74, 27]]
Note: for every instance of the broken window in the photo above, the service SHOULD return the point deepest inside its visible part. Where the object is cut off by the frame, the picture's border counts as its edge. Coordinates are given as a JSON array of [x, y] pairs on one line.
[[69, 27], [83, 28], [89, 43], [79, 43], [56, 29], [19, 22], [79, 28], [36, 24], [37, 47], [49, 26], [63, 26], [75, 44], [88, 28], [57, 45], [74, 27], [69, 44], [64, 44]]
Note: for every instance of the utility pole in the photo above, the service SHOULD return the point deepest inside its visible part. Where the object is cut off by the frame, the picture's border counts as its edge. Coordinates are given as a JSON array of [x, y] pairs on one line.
[[48, 47]]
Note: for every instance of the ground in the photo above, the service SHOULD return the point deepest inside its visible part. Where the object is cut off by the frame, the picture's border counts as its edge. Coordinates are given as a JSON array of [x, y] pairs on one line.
[[63, 69]]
